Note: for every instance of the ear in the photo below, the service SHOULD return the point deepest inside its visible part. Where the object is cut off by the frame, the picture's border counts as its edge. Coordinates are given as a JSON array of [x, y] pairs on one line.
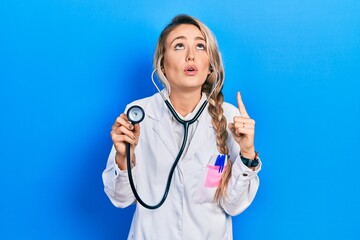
[[210, 70], [162, 65]]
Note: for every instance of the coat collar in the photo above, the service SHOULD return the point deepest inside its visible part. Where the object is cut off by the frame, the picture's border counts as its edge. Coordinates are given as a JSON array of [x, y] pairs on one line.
[[158, 111]]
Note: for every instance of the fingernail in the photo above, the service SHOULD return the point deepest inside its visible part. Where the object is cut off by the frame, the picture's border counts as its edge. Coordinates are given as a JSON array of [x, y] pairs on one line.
[[131, 127]]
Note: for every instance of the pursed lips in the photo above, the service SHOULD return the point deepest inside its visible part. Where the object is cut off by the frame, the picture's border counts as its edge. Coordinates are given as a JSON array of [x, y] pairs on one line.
[[190, 70]]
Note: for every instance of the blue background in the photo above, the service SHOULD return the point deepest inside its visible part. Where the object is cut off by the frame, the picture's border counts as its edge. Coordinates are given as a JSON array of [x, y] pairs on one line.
[[68, 68]]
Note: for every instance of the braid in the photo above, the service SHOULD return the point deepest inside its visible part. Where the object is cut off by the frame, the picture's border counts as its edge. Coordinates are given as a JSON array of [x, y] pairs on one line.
[[220, 125]]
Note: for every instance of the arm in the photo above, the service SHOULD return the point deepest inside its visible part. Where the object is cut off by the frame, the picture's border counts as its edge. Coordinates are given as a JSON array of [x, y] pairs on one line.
[[244, 181], [116, 183], [242, 188], [115, 177]]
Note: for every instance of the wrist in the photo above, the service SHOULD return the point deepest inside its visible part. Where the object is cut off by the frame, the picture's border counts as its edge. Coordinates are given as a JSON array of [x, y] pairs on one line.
[[250, 162], [120, 161], [250, 154]]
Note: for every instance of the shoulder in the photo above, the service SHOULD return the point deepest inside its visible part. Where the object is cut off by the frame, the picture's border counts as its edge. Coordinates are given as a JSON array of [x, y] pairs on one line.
[[145, 102]]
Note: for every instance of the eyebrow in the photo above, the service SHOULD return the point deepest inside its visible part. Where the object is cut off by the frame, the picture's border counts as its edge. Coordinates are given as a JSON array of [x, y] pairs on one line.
[[183, 37]]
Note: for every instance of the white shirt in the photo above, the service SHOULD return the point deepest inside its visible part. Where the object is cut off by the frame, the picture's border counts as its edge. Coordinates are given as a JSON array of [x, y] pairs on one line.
[[189, 211], [178, 127]]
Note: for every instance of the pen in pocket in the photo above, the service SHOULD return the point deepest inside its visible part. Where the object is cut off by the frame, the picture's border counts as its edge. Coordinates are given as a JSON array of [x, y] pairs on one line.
[[220, 161]]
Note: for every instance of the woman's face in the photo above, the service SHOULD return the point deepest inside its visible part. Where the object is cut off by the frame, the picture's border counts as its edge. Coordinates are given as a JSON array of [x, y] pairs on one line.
[[186, 62]]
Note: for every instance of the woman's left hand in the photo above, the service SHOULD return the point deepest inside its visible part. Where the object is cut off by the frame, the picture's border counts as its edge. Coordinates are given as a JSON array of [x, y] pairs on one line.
[[243, 130]]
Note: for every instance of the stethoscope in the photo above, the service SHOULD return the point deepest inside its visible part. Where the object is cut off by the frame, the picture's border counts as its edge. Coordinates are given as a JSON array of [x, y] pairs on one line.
[[136, 114]]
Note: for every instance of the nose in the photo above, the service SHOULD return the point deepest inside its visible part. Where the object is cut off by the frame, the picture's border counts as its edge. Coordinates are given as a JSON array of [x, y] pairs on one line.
[[190, 56]]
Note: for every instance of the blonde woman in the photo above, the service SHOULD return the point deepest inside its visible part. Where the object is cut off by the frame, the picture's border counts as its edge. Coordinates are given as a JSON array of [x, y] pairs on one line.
[[216, 176]]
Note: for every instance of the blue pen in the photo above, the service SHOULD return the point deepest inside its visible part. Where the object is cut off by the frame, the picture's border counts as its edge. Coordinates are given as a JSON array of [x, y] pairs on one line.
[[220, 161]]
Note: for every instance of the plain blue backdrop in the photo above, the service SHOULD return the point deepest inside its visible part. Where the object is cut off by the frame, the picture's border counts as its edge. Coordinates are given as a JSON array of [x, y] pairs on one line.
[[68, 68]]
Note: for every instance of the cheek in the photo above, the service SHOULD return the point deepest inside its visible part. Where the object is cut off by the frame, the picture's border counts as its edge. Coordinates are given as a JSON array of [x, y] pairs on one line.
[[206, 65], [170, 63], [204, 59], [170, 70]]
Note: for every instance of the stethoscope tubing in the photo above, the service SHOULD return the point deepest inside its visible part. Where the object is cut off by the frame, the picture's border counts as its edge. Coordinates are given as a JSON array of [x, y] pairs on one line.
[[186, 125]]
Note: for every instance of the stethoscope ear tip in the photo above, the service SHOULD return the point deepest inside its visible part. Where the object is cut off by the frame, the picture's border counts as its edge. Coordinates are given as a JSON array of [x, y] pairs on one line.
[[135, 114]]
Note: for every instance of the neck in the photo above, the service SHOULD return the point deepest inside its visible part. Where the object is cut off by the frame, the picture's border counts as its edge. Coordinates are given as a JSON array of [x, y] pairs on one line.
[[185, 103]]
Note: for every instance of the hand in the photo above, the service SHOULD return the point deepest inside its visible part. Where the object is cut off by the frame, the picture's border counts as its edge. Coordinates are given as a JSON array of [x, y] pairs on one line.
[[124, 132], [243, 130]]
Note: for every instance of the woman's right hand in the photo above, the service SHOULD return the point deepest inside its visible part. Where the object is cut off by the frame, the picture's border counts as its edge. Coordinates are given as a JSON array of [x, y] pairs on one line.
[[123, 131]]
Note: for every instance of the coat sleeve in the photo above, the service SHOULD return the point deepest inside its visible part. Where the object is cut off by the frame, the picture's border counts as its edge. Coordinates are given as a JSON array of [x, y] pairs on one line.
[[242, 188], [116, 183], [244, 182]]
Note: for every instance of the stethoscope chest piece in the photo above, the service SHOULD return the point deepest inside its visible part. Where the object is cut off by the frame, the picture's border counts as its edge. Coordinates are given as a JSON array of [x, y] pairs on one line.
[[135, 114]]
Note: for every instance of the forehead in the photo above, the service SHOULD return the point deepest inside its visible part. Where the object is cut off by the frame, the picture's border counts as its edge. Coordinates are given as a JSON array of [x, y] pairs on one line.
[[187, 31]]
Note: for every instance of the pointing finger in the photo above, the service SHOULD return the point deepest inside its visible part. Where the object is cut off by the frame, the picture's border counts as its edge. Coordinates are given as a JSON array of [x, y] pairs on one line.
[[241, 106]]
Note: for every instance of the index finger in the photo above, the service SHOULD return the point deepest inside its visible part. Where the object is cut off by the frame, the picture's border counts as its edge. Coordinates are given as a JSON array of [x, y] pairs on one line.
[[241, 106], [122, 120]]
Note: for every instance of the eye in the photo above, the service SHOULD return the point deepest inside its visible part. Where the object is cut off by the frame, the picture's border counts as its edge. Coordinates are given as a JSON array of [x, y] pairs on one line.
[[179, 46], [200, 46]]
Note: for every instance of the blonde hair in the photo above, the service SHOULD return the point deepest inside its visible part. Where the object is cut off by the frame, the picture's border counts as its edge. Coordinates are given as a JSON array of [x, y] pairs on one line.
[[216, 99]]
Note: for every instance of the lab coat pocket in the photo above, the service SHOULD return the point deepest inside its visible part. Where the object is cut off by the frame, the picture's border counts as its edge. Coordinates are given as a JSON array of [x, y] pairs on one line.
[[209, 182], [213, 176]]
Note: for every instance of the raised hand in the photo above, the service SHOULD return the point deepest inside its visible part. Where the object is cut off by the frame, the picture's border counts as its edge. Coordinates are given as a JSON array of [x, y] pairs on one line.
[[243, 130], [122, 131]]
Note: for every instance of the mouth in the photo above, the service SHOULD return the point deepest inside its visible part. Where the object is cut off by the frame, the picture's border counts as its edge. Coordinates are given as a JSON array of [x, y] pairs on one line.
[[190, 70]]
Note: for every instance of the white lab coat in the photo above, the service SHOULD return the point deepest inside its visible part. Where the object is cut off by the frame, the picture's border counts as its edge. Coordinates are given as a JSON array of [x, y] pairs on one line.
[[189, 211]]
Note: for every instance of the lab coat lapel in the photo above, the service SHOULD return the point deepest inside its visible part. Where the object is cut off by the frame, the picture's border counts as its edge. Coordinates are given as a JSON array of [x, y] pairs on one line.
[[203, 136], [163, 127]]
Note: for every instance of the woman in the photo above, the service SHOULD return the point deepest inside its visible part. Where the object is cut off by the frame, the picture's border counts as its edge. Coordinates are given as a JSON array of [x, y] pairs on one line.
[[203, 194]]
